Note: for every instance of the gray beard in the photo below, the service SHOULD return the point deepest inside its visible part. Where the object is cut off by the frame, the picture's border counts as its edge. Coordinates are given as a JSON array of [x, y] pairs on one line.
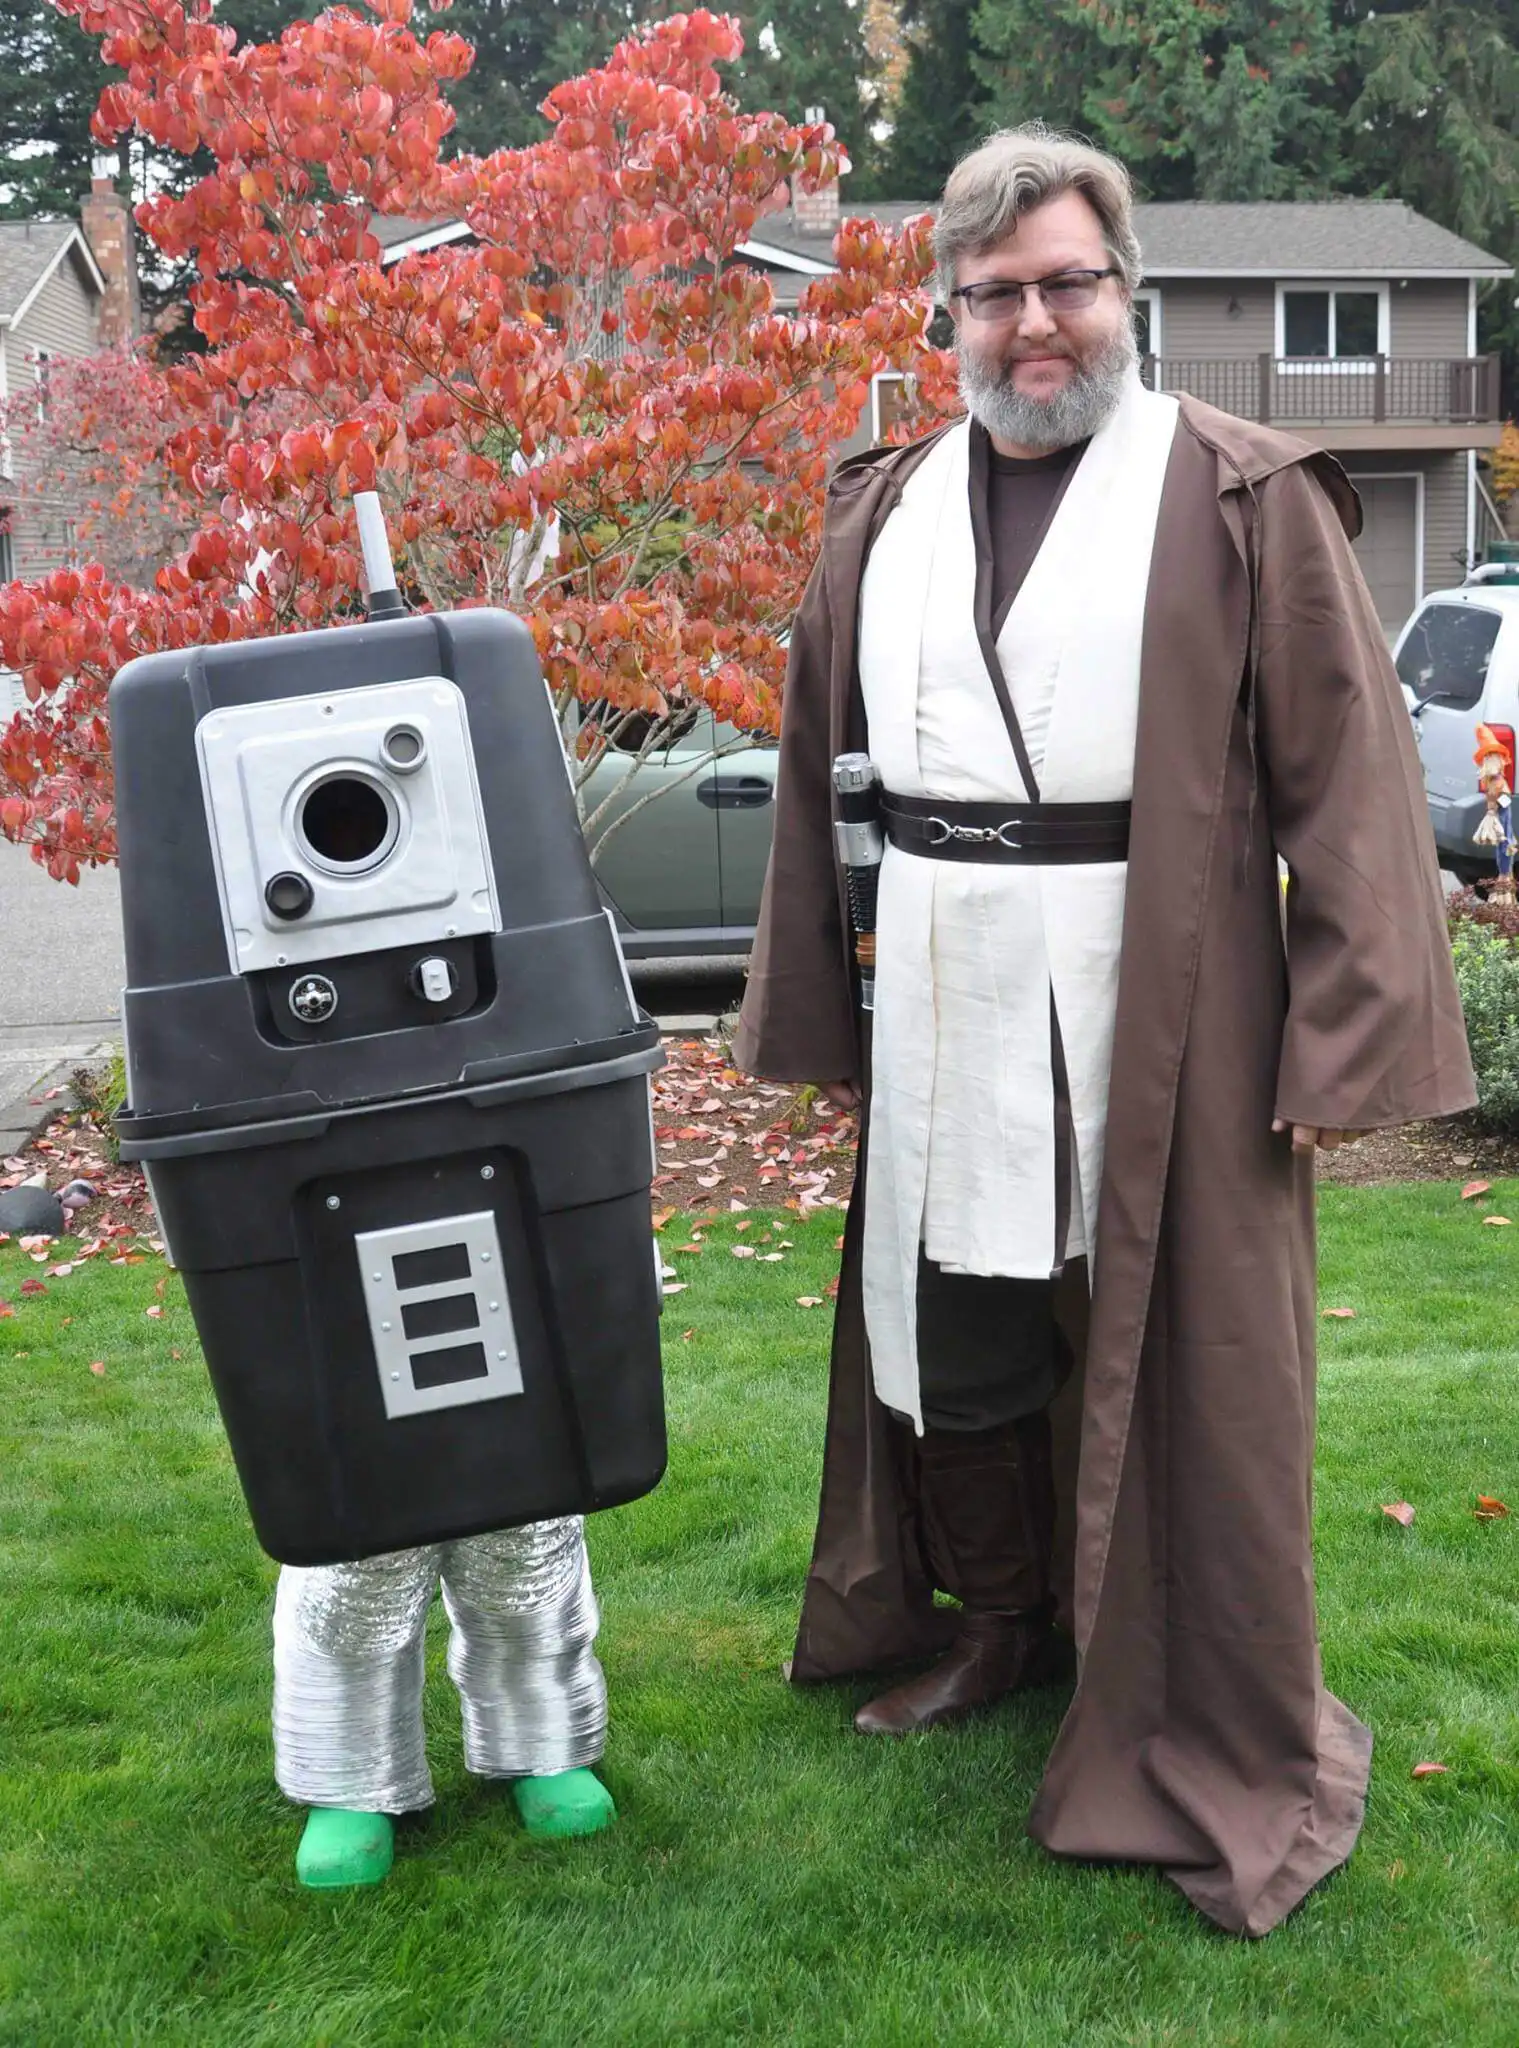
[[1085, 403]]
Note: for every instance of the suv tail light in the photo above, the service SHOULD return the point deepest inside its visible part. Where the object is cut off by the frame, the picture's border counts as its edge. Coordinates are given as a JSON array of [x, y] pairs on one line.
[[1504, 735]]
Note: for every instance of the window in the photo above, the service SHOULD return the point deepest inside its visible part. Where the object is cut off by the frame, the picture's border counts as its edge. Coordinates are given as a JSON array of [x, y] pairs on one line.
[[1447, 652], [1147, 322], [1331, 322], [891, 394], [7, 547]]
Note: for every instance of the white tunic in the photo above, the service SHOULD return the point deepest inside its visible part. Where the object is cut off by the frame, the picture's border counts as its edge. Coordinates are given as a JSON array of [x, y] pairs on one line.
[[962, 1133]]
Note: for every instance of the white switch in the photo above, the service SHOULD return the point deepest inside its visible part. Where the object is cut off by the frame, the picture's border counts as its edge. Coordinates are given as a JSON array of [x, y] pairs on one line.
[[437, 980]]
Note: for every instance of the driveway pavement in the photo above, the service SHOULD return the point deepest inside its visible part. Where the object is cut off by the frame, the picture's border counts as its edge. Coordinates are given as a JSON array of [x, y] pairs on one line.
[[61, 972]]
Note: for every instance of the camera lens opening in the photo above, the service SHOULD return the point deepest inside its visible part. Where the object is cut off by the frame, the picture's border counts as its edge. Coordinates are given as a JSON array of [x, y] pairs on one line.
[[348, 822], [403, 748]]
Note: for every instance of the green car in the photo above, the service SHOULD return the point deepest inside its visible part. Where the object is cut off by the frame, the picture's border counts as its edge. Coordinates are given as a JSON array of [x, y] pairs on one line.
[[683, 876]]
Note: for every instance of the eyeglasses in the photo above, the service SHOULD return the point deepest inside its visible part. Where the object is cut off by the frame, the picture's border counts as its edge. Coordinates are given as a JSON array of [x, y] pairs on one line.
[[1000, 298]]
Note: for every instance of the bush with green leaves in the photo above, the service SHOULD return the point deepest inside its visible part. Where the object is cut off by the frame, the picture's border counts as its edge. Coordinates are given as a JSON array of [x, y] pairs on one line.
[[1487, 974]]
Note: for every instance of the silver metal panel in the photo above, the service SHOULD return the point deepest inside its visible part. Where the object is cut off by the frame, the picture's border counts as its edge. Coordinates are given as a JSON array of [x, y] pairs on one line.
[[407, 1364], [429, 876]]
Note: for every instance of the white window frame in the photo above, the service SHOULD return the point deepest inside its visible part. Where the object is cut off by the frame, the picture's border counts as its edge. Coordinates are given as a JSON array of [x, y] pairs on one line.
[[1358, 476], [1340, 366], [880, 378], [1150, 295]]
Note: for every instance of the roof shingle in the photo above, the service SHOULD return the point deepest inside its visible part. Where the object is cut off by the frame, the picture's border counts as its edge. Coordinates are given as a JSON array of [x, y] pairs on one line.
[[27, 247]]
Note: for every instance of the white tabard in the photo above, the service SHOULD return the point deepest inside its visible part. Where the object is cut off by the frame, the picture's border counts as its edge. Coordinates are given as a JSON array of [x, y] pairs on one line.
[[962, 1128]]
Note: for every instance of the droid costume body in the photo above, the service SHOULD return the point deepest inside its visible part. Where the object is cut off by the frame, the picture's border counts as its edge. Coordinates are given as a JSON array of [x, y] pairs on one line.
[[389, 1084]]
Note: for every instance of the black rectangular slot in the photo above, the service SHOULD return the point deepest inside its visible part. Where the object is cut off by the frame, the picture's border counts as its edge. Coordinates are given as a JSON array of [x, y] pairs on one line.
[[447, 1368], [437, 1318], [431, 1268]]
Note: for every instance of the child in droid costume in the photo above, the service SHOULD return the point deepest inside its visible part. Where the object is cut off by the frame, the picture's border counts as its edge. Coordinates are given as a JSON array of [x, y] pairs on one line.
[[396, 1124], [348, 1667]]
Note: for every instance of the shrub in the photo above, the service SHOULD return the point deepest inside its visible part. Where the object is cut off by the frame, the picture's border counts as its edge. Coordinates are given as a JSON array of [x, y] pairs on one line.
[[1487, 974], [1470, 906], [100, 1093]]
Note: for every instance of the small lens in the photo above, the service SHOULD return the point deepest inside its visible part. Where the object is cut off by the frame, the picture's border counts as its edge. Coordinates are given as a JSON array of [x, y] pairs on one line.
[[346, 821], [289, 896], [403, 746]]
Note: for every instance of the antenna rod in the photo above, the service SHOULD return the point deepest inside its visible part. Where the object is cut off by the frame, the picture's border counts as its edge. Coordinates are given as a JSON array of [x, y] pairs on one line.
[[385, 601]]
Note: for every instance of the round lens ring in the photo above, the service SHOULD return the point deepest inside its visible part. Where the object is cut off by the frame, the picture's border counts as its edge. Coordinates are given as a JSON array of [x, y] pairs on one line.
[[289, 896], [347, 822], [403, 749]]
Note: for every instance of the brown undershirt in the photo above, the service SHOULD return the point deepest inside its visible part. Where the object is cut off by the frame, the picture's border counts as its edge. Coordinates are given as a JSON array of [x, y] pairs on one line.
[[1022, 494]]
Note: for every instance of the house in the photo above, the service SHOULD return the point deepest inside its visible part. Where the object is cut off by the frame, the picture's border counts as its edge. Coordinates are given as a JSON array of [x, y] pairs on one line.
[[67, 288], [1350, 322]]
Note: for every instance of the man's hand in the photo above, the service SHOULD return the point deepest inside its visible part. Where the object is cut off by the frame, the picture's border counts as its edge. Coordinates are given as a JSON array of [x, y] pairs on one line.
[[1305, 1137], [842, 1094]]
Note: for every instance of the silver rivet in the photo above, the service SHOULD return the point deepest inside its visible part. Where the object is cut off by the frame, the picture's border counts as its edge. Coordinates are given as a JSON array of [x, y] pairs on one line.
[[494, 1306], [501, 1354], [387, 1326], [395, 1375], [450, 931], [377, 1276], [334, 1202], [487, 1173], [485, 1258]]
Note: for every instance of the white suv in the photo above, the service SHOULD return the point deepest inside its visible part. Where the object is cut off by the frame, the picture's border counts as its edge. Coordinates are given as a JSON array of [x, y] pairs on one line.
[[1458, 662]]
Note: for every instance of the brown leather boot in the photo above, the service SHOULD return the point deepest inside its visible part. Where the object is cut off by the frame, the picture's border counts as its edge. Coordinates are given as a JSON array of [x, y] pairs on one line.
[[988, 1508]]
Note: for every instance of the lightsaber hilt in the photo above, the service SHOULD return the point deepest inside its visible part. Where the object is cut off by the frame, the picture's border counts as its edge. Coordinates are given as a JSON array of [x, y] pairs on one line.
[[385, 600], [861, 843]]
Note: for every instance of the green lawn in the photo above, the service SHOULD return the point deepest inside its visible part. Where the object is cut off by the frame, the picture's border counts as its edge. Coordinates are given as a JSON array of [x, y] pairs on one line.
[[773, 1878]]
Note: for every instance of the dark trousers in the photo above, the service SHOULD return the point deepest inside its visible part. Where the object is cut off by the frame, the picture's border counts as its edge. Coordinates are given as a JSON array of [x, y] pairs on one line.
[[989, 1349]]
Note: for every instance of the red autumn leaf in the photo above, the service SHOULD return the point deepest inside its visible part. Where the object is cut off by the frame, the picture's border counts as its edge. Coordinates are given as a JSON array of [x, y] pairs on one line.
[[832, 1289], [154, 1311], [6, 1309], [1430, 1770], [1399, 1511], [97, 1366], [1489, 1508], [33, 1287], [1474, 1188]]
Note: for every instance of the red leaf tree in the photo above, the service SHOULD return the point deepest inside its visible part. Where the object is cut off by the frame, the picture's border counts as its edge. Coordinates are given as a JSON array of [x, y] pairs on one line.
[[591, 415]]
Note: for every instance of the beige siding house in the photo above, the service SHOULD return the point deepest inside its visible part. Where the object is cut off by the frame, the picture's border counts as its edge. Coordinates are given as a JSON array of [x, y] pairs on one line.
[[1350, 322]]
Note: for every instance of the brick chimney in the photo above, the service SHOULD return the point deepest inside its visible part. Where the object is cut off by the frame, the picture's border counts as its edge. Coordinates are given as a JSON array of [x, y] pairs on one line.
[[108, 229], [816, 213]]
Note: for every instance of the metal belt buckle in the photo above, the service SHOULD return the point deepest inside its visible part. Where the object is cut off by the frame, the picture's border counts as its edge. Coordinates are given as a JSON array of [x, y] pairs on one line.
[[1013, 845]]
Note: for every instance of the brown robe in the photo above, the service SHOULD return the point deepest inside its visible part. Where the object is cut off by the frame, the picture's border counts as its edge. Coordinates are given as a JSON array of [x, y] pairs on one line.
[[1200, 1737]]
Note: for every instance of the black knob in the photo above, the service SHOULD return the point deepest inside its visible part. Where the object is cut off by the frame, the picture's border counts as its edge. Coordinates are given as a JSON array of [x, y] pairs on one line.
[[289, 896]]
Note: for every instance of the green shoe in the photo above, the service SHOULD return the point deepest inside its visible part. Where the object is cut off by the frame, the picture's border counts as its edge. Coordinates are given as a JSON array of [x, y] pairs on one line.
[[563, 1803], [341, 1847]]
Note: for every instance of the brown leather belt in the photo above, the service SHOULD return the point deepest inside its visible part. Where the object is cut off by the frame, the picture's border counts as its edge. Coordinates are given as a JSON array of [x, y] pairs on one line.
[[1017, 835]]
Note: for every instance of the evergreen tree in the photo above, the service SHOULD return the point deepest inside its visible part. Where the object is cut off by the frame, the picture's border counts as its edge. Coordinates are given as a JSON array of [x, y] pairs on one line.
[[942, 111], [810, 53]]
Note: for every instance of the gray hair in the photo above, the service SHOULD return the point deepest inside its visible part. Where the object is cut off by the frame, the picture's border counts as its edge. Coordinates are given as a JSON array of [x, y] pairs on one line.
[[1016, 170]]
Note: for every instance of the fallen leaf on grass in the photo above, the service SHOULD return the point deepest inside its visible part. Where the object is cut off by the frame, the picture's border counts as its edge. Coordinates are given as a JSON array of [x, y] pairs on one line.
[[809, 1301], [832, 1289], [6, 1309], [686, 1336], [1489, 1508], [1397, 1869], [1430, 1770], [1499, 1222], [60, 1272], [154, 1311], [661, 1218], [743, 1226], [33, 1287], [769, 1258], [1399, 1511], [676, 1286], [1474, 1188], [38, 1243], [693, 1247], [97, 1366], [1339, 1315], [742, 1251]]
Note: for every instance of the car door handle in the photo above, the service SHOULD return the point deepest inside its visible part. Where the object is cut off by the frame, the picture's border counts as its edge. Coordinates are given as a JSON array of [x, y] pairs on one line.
[[744, 793]]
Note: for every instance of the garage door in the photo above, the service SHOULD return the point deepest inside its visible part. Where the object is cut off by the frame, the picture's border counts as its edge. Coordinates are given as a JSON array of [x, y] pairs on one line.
[[1389, 544]]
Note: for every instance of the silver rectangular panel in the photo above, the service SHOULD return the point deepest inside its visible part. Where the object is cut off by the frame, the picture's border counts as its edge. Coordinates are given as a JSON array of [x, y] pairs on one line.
[[439, 1313]]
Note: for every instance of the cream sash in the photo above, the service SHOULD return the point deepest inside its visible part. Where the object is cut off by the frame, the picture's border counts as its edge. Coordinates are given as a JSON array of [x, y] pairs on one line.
[[962, 1131]]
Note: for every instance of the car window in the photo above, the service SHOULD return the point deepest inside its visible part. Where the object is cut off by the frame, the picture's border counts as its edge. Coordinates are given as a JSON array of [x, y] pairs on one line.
[[1447, 652]]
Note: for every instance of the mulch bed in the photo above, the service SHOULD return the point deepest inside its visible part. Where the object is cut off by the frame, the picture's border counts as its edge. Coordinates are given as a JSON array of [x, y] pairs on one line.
[[1445, 1150]]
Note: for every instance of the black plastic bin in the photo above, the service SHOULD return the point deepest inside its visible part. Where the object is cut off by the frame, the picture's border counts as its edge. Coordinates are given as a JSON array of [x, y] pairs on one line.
[[414, 1230]]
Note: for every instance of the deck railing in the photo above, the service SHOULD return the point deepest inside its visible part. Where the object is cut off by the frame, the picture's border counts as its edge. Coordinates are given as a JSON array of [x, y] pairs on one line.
[[1314, 391]]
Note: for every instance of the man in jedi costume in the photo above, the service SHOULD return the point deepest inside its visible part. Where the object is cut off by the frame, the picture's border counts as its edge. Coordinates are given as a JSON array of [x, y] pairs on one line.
[[1111, 654]]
